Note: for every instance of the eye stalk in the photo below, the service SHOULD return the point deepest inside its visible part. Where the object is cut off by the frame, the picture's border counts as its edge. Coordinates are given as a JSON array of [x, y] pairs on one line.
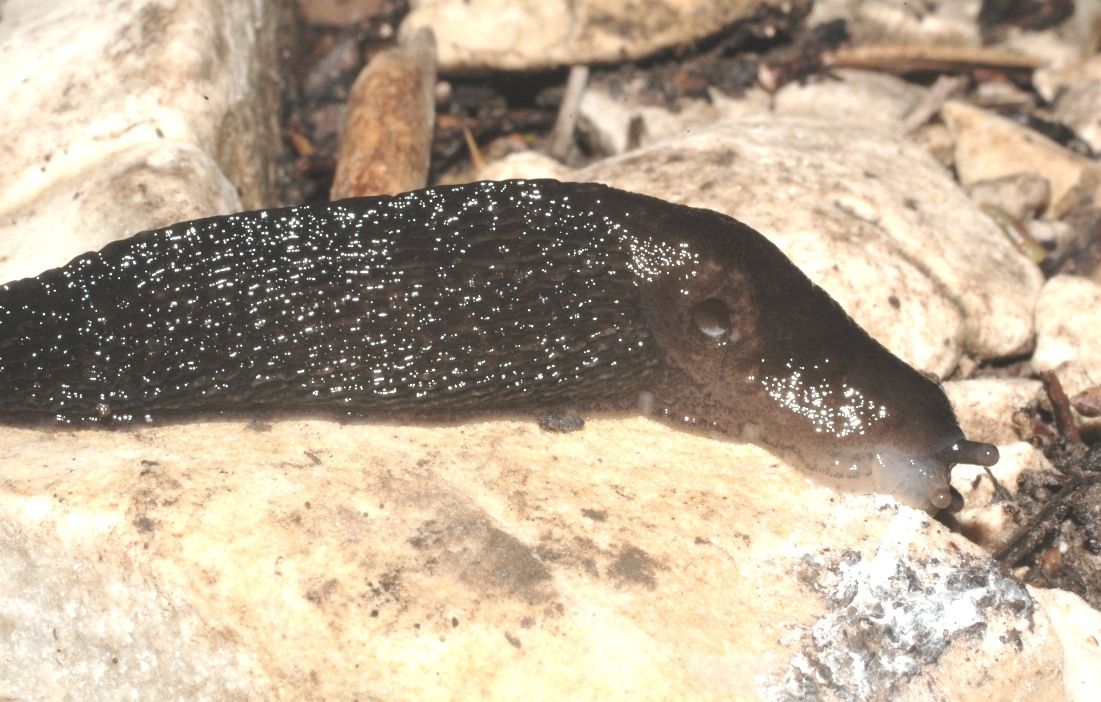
[[959, 451], [972, 452]]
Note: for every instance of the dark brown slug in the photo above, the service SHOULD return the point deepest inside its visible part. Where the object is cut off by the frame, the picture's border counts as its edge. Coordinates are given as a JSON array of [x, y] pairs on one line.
[[498, 296]]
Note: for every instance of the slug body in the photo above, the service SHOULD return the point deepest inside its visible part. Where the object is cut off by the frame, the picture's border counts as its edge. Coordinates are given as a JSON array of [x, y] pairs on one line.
[[486, 297]]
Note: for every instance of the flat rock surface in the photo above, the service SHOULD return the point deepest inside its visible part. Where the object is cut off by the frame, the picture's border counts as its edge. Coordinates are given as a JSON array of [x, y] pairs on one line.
[[484, 560]]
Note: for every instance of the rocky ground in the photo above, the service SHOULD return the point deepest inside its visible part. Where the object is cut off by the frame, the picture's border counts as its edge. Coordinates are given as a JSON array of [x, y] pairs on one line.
[[933, 166]]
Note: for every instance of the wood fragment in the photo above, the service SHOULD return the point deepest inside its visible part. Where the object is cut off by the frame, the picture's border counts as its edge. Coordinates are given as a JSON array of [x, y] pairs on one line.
[[903, 58], [387, 135], [1033, 534], [1064, 418], [1000, 493], [477, 160], [303, 147]]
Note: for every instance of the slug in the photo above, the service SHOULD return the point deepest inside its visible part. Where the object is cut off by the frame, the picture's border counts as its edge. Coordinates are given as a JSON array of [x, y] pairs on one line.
[[527, 296]]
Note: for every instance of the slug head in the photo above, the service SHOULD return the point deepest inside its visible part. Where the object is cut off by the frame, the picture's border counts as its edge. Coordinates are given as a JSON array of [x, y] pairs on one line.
[[755, 350]]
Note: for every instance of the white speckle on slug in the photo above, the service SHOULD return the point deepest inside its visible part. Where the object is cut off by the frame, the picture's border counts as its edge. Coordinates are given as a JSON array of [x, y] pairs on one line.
[[797, 391]]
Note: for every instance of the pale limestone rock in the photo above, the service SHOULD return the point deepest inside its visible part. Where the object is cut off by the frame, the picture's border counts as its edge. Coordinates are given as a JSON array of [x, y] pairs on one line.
[[1068, 331], [1052, 80], [535, 34], [885, 218], [937, 140], [619, 119], [1074, 86], [489, 560], [986, 406], [1080, 29], [903, 21], [1046, 45], [989, 146], [905, 629], [1080, 109], [1056, 234], [1078, 627], [1020, 196], [1001, 92], [873, 100], [143, 188], [135, 90], [618, 123], [525, 165], [984, 517]]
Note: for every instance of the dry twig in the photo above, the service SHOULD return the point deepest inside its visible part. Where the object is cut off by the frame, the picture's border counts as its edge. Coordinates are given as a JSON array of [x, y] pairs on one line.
[[903, 58]]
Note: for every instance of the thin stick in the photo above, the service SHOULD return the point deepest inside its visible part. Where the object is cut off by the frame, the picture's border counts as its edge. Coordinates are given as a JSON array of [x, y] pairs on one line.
[[933, 100], [902, 58], [562, 136], [1060, 405]]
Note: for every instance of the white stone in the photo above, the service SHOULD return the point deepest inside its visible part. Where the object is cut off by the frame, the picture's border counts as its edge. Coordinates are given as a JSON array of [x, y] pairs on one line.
[[1052, 80], [984, 516], [1074, 86], [1019, 196], [989, 146], [1078, 627], [1056, 234], [608, 118], [903, 21], [143, 188], [1079, 107], [1044, 45], [937, 140], [483, 560], [534, 34], [525, 165], [884, 230], [873, 100], [1068, 331], [985, 406], [133, 89]]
